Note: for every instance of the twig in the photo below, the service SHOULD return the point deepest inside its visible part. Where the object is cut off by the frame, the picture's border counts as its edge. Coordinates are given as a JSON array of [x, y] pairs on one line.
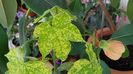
[[108, 17]]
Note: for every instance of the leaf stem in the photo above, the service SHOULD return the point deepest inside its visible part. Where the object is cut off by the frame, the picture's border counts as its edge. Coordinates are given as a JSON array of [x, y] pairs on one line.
[[28, 11], [23, 34], [102, 24], [54, 61], [42, 16]]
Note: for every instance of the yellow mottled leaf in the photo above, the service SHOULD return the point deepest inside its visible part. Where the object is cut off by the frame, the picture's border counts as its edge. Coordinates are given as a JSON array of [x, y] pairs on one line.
[[56, 34]]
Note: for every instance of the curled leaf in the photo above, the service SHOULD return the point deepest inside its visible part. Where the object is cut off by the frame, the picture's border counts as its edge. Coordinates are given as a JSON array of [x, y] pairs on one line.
[[112, 48]]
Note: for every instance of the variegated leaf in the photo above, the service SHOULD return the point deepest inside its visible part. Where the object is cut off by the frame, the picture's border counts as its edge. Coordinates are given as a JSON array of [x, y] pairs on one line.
[[84, 66], [16, 64], [57, 33]]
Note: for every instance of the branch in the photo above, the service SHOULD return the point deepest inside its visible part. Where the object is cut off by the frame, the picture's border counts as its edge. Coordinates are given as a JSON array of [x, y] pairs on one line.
[[108, 17]]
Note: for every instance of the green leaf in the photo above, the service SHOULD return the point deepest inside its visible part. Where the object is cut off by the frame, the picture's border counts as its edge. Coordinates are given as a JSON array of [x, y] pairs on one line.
[[22, 29], [124, 34], [78, 48], [8, 10], [16, 64], [3, 64], [103, 44], [126, 53], [93, 59], [65, 66], [76, 7], [3, 50], [130, 10], [3, 41], [81, 66], [105, 67], [39, 6], [115, 3], [84, 66], [57, 33]]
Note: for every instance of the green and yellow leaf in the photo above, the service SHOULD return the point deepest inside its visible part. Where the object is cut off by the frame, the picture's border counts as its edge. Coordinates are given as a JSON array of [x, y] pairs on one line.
[[16, 64], [83, 66], [57, 33]]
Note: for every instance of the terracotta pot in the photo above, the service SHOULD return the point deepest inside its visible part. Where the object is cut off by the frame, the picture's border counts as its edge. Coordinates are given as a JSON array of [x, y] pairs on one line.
[[120, 72]]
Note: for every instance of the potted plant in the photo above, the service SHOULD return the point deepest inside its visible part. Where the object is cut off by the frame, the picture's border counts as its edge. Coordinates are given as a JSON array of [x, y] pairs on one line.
[[62, 28]]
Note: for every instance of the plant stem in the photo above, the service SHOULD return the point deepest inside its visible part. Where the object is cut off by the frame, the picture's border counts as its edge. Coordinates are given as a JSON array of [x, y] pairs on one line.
[[54, 61], [22, 28], [27, 13], [102, 24], [23, 34], [42, 16]]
